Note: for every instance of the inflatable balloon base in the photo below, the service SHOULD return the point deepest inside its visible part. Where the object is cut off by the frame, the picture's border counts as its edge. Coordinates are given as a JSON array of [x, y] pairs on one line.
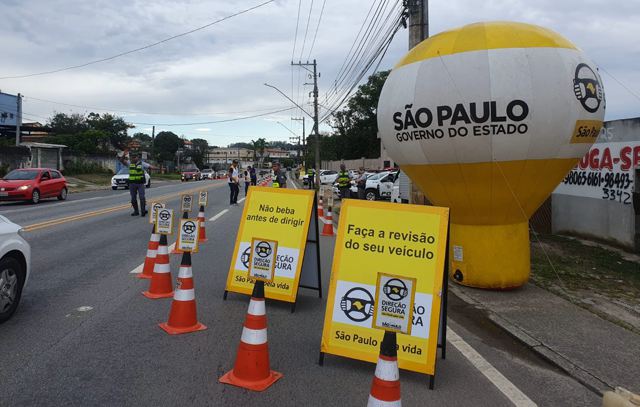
[[490, 256]]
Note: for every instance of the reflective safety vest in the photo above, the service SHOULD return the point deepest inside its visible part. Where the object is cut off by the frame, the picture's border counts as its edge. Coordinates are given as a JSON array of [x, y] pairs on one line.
[[343, 179], [275, 184], [136, 173], [311, 171]]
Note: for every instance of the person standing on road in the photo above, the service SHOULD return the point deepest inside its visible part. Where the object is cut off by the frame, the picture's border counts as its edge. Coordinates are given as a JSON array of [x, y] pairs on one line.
[[344, 182], [279, 178], [137, 183], [252, 174], [311, 178], [234, 180], [361, 183], [247, 181]]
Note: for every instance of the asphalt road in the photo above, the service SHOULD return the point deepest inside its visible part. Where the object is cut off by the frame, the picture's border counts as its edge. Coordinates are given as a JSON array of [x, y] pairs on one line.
[[85, 336]]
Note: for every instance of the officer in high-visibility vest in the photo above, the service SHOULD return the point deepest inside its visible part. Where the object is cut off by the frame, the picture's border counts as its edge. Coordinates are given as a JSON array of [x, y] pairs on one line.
[[311, 177], [137, 184], [279, 178], [344, 182]]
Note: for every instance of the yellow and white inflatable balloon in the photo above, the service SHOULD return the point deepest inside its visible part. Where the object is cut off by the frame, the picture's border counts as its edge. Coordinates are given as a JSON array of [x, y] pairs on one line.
[[487, 119]]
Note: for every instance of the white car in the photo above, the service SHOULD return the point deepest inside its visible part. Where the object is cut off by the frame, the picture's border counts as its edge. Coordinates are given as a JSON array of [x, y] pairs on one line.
[[15, 265], [208, 173], [121, 179], [380, 185], [326, 177]]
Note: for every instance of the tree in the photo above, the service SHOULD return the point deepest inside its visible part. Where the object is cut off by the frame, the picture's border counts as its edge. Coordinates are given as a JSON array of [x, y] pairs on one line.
[[199, 152], [144, 140], [166, 145], [248, 146], [114, 126], [62, 123], [355, 126], [258, 146]]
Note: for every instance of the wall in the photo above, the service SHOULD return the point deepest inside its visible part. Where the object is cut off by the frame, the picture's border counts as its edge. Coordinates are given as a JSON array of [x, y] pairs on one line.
[[367, 163], [107, 162], [595, 199]]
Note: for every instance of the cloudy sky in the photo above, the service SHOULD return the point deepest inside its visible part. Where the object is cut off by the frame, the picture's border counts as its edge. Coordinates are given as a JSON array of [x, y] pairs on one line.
[[218, 73]]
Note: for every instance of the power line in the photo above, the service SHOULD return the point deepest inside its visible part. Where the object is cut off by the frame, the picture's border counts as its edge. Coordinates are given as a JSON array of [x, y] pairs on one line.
[[313, 43], [306, 30], [215, 121], [106, 109], [140, 48], [365, 55]]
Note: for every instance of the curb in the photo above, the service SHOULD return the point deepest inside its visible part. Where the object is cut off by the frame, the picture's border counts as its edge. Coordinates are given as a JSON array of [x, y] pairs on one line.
[[578, 373]]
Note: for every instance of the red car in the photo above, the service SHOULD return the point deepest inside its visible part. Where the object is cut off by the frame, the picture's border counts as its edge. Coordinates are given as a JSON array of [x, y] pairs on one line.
[[32, 185]]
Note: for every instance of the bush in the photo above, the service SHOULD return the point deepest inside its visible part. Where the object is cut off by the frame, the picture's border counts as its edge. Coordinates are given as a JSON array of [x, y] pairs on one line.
[[84, 167], [4, 169]]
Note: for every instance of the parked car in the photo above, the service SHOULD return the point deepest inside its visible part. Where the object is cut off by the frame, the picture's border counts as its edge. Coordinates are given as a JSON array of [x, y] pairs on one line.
[[208, 173], [32, 185], [221, 174], [380, 186], [15, 265], [121, 179], [191, 174], [326, 177]]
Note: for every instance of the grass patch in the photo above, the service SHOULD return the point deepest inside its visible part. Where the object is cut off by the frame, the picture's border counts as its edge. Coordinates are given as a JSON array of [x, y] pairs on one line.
[[169, 176], [99, 179], [590, 276]]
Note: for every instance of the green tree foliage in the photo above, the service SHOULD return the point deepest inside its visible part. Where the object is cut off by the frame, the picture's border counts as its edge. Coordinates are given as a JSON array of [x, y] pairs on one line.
[[199, 152], [248, 146], [355, 126], [258, 146], [92, 134], [144, 140], [166, 145]]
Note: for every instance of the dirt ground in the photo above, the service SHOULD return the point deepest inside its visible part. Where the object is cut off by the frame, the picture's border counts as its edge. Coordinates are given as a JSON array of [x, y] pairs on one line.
[[601, 279]]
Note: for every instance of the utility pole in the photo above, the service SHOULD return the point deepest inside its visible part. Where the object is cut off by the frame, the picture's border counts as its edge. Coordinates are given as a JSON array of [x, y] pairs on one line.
[[153, 141], [418, 31], [304, 142], [418, 21], [316, 131], [19, 119]]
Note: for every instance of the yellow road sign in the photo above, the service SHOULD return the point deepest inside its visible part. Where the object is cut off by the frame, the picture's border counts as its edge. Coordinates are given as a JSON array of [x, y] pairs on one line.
[[408, 241], [282, 215]]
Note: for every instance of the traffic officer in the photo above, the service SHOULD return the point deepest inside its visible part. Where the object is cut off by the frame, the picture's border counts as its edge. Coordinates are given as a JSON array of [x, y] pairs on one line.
[[279, 178], [137, 184], [344, 182], [311, 178]]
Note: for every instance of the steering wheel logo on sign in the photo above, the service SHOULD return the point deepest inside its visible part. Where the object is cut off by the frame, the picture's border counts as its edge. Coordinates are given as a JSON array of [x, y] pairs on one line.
[[357, 304], [164, 215], [395, 289], [263, 249], [189, 227]]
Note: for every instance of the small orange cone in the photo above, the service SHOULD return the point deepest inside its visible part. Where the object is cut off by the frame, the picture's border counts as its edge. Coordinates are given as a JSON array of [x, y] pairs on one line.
[[176, 249], [320, 208], [183, 317], [327, 229], [161, 286], [252, 370], [385, 389], [150, 260], [202, 237]]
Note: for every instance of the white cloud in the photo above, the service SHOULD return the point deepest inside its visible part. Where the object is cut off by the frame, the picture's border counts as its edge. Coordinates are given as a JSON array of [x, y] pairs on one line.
[[222, 68], [203, 129]]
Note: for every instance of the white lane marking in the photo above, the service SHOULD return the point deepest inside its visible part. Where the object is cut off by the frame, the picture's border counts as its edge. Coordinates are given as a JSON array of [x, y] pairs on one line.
[[293, 184], [240, 200], [218, 216], [138, 269], [84, 308], [517, 397]]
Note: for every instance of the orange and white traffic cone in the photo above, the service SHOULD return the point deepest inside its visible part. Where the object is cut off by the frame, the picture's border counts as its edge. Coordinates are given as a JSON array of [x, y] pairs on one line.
[[202, 236], [161, 285], [252, 370], [183, 317], [320, 208], [385, 389], [327, 229], [150, 260], [176, 249]]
